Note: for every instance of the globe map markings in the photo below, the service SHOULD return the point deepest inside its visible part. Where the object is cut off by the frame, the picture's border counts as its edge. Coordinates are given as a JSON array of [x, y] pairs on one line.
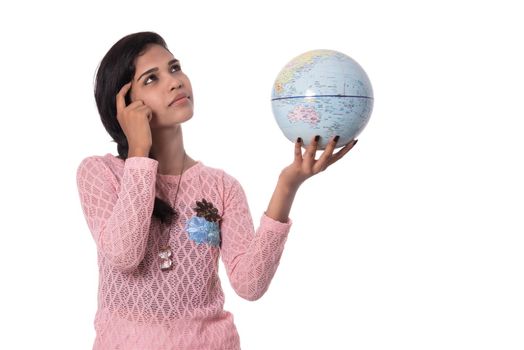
[[322, 92]]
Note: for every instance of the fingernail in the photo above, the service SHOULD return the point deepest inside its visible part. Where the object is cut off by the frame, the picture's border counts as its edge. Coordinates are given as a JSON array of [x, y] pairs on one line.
[[317, 138], [299, 140], [336, 138]]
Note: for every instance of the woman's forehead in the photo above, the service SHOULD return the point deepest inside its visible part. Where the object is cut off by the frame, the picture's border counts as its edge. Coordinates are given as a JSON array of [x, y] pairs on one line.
[[153, 57]]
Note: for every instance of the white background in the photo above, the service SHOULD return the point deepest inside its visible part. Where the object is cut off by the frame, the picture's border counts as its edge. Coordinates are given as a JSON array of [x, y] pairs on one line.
[[413, 241]]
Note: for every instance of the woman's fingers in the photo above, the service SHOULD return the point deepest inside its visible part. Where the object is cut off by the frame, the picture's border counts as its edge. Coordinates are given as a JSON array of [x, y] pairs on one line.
[[307, 161], [298, 150], [120, 97], [342, 152], [309, 155], [311, 149], [322, 162], [134, 119], [144, 110]]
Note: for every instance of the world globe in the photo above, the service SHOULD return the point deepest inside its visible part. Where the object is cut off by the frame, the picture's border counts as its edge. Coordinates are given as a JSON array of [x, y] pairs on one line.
[[322, 92]]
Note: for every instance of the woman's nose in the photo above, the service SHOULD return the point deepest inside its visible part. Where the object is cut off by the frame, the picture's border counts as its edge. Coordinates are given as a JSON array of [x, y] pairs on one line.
[[175, 83]]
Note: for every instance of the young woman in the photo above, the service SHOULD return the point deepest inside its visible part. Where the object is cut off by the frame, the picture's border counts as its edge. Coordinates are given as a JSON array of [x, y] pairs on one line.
[[161, 219]]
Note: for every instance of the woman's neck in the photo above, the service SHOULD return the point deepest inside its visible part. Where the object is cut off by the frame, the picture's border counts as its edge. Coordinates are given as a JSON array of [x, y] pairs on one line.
[[168, 150]]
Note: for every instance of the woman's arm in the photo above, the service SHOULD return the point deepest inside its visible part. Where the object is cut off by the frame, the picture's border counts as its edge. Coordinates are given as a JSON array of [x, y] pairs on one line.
[[119, 218], [251, 259]]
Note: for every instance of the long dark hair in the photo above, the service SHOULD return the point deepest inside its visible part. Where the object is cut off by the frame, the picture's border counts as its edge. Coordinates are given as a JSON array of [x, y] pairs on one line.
[[115, 70]]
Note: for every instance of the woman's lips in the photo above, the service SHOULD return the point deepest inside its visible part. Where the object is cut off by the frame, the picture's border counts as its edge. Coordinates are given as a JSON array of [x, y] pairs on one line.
[[180, 101]]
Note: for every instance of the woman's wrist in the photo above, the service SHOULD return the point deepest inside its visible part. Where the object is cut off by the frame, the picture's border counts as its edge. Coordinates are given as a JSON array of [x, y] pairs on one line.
[[288, 184], [138, 152], [282, 200]]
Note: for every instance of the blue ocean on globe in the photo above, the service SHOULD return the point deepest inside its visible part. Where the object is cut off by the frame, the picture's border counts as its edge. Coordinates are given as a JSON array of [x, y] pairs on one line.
[[322, 92]]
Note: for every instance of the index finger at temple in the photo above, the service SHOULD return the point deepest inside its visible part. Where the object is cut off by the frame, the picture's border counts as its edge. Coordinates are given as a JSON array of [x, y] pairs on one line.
[[120, 97]]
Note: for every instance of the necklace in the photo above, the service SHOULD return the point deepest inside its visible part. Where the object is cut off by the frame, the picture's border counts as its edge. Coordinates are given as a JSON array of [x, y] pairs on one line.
[[166, 263]]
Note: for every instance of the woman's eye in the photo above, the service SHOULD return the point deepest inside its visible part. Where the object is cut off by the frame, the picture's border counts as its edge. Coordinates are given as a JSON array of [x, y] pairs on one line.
[[149, 79], [152, 77]]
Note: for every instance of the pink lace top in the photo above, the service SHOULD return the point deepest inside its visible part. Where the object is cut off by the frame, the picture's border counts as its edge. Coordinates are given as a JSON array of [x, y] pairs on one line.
[[142, 307]]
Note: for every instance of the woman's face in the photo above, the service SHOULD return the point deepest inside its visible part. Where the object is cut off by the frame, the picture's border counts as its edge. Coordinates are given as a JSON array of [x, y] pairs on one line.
[[160, 83]]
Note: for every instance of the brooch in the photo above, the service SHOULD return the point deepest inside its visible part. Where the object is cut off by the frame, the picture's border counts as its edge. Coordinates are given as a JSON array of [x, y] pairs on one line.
[[203, 227]]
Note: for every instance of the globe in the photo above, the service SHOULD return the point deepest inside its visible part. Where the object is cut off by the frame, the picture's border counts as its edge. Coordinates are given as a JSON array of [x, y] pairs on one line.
[[322, 92]]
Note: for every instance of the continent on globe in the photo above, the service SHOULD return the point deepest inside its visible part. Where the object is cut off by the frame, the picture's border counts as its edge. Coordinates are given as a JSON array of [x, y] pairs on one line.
[[322, 92], [296, 66], [304, 114]]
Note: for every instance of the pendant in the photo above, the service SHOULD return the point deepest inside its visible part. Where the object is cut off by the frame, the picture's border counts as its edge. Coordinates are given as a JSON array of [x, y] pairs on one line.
[[165, 258]]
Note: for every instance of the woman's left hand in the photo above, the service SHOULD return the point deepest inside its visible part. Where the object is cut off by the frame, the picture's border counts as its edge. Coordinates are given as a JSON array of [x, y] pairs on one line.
[[305, 165]]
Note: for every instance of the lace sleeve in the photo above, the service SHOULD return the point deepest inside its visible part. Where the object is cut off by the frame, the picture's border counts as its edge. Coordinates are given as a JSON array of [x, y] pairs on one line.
[[118, 216], [250, 258]]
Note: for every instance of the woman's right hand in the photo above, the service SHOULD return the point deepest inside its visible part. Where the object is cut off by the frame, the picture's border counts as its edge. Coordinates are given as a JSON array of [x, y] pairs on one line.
[[134, 120]]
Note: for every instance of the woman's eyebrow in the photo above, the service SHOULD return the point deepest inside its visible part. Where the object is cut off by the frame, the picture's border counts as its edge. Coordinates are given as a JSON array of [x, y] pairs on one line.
[[156, 68]]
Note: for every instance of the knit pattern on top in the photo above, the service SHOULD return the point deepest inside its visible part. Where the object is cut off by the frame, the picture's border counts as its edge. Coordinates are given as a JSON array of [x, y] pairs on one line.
[[141, 307]]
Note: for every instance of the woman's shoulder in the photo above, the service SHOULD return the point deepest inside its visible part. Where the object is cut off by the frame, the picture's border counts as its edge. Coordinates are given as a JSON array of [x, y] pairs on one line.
[[218, 173], [108, 159], [101, 163], [224, 182]]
